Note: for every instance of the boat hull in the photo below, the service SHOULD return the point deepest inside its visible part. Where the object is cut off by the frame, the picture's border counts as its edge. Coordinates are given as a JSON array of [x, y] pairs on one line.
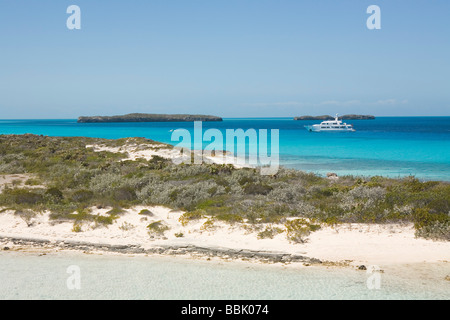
[[313, 128]]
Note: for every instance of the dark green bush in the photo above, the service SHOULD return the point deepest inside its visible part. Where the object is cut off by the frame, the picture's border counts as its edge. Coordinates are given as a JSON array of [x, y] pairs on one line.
[[24, 196], [157, 228], [54, 194], [124, 194], [82, 195], [146, 212], [257, 188]]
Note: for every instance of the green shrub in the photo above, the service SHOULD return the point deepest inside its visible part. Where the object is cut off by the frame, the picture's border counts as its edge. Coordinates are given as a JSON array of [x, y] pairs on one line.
[[124, 194], [115, 211], [158, 162], [26, 215], [146, 212], [77, 227], [24, 196], [230, 218], [245, 180], [424, 219], [102, 220], [208, 225], [54, 194], [297, 230], [31, 182], [269, 233], [257, 188], [82, 195], [435, 230], [187, 217], [157, 228]]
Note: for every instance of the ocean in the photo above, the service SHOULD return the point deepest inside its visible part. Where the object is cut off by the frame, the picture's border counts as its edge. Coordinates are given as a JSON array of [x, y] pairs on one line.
[[387, 146]]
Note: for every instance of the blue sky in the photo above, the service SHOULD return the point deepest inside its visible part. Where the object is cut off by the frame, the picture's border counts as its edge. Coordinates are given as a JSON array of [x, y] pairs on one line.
[[231, 58]]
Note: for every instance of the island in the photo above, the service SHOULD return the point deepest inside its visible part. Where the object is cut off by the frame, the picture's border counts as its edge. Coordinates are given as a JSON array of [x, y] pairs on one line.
[[149, 117], [344, 117]]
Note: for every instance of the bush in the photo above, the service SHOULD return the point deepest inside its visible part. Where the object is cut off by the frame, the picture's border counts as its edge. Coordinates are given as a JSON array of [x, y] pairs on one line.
[[102, 183], [431, 225], [298, 229], [146, 212], [436, 230], [257, 188], [208, 225], [102, 220], [76, 227], [26, 215], [54, 194], [24, 197], [115, 211], [190, 216], [124, 194], [269, 233], [157, 228], [230, 218], [82, 196]]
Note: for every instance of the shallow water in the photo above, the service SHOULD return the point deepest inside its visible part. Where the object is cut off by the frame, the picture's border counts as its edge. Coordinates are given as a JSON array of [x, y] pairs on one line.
[[31, 276]]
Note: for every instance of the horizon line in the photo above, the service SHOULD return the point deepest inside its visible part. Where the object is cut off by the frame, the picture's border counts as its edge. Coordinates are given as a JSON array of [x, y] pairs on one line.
[[246, 117]]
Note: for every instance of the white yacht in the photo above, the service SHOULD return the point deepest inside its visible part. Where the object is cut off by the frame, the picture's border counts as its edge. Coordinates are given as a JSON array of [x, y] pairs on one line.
[[331, 125]]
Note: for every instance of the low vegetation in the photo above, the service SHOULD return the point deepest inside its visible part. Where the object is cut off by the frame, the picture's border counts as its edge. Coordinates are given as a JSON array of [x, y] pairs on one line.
[[71, 178]]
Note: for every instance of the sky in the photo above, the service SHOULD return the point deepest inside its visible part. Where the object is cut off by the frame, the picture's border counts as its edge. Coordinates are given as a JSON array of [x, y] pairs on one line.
[[230, 58]]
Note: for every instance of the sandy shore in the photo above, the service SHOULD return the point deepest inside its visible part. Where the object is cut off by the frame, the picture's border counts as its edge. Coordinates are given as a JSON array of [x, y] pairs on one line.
[[148, 151], [351, 244]]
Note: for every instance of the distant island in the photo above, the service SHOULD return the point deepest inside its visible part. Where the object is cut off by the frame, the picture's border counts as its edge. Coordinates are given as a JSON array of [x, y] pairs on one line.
[[148, 117], [344, 117]]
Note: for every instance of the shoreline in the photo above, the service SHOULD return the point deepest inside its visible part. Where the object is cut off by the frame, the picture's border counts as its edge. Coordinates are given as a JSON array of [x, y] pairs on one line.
[[345, 245], [25, 244]]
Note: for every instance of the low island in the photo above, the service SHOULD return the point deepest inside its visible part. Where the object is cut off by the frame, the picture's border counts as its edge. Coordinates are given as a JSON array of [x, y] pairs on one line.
[[149, 117], [344, 117]]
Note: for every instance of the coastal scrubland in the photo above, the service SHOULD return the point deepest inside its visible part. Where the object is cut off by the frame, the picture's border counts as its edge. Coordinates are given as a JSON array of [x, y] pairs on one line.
[[69, 179]]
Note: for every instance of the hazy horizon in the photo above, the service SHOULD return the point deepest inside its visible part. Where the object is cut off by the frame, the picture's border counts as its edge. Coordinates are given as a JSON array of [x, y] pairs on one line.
[[256, 117], [233, 59]]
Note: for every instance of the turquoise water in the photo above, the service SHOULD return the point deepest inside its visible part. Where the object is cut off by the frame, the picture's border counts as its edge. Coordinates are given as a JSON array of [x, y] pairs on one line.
[[389, 146], [31, 276]]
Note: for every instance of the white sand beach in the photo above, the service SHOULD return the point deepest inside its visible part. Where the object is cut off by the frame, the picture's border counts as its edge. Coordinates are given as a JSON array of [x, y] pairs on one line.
[[355, 244], [147, 151]]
